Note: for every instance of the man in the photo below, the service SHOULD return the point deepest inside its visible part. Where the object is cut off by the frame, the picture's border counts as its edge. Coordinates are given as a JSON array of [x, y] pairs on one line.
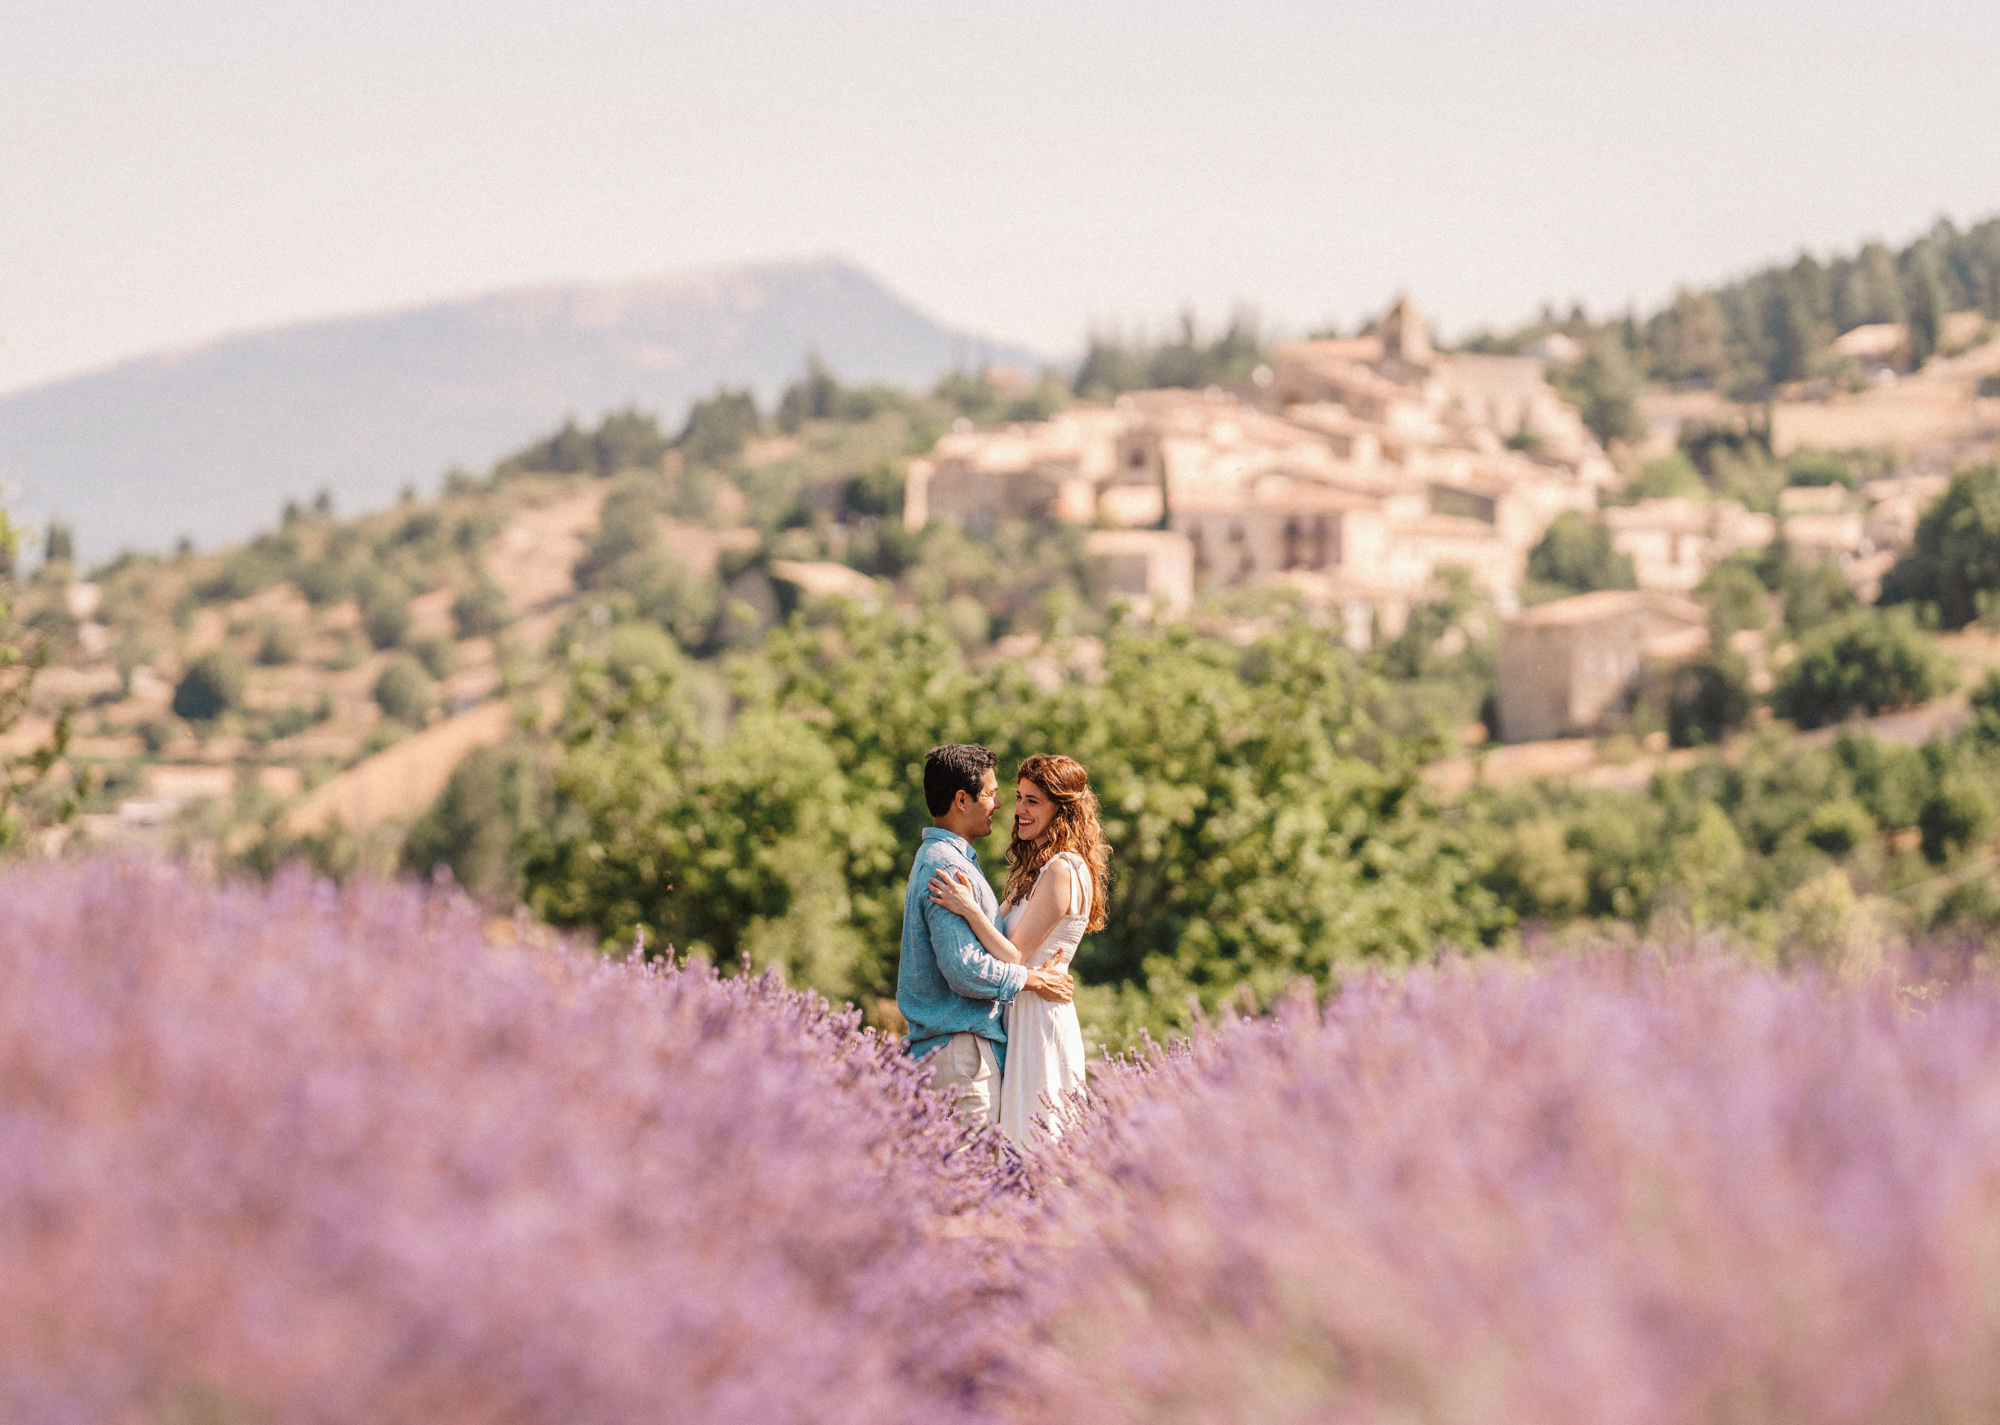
[[950, 990]]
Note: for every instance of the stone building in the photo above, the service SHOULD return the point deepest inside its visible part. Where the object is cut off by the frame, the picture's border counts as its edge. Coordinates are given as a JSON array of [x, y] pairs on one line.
[[1570, 668], [1673, 543], [1152, 569], [1354, 470]]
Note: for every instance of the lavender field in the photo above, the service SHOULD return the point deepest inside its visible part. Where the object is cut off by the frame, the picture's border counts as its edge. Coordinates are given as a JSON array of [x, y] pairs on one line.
[[316, 1155]]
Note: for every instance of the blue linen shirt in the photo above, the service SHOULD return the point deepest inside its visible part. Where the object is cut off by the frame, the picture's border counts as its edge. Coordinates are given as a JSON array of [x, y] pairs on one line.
[[947, 984]]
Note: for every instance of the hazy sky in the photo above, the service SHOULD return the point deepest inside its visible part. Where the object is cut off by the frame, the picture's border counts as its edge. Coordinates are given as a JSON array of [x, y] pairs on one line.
[[169, 172]]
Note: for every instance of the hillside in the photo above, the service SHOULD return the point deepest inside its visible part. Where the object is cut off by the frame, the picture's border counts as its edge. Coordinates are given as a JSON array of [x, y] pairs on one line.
[[208, 442], [1778, 332], [576, 681]]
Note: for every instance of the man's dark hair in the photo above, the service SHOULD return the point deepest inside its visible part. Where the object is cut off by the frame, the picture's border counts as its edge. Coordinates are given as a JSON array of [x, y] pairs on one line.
[[959, 767]]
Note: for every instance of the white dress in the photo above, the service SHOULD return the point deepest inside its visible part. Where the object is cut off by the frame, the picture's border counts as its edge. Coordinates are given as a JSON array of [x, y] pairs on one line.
[[1044, 1040]]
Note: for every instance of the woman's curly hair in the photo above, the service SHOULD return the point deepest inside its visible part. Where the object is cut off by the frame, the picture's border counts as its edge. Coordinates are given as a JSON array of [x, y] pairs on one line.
[[1075, 828]]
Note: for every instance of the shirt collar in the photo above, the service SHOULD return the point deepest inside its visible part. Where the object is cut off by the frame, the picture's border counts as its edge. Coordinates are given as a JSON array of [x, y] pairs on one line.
[[938, 833]]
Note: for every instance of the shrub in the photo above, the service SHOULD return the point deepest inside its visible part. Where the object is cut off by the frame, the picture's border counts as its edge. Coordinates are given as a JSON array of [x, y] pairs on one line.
[[1838, 827], [1262, 825], [624, 439], [1986, 708], [1958, 817], [1538, 876], [293, 719], [438, 655], [1707, 700], [1736, 601], [281, 641], [310, 1155], [323, 582], [385, 608], [1575, 554], [1819, 467], [155, 733], [246, 572], [404, 691], [212, 686], [1670, 477], [718, 427], [480, 610], [476, 825], [1956, 555], [1605, 389], [1605, 1190], [1816, 593], [1865, 663]]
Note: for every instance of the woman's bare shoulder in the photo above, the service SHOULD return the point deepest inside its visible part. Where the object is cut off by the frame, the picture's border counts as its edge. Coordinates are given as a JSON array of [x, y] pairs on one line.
[[1065, 887]]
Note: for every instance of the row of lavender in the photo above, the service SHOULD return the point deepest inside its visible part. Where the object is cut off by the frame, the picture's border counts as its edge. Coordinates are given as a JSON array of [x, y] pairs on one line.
[[310, 1155]]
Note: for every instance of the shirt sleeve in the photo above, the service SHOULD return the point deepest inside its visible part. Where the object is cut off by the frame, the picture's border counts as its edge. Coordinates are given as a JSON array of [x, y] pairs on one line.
[[963, 961]]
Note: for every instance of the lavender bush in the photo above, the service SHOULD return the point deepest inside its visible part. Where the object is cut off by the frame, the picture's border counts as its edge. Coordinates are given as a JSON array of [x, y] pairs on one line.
[[316, 1156], [319, 1156], [1605, 1191]]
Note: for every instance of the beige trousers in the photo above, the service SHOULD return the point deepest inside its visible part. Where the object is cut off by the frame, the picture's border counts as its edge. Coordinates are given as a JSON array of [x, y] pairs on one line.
[[967, 1070]]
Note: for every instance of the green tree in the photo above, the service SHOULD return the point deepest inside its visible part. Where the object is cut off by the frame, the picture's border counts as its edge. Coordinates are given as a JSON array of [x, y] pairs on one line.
[[815, 396], [628, 556], [1672, 476], [280, 641], [212, 686], [1927, 303], [480, 610], [718, 427], [1816, 593], [1113, 363], [1262, 827], [384, 601], [1986, 709], [1956, 554], [1538, 875], [404, 691], [1737, 601], [1819, 467], [1708, 699], [625, 439], [1605, 389], [1865, 663], [477, 824], [1957, 818], [1574, 556]]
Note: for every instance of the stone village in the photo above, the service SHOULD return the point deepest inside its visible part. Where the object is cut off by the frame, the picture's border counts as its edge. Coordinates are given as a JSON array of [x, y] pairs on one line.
[[1356, 470]]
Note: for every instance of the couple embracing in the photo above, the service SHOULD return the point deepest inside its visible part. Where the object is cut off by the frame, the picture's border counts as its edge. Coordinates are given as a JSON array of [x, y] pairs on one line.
[[985, 985]]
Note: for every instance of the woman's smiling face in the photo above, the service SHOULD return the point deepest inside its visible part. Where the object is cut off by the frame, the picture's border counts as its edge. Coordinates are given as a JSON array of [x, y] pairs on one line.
[[1033, 811]]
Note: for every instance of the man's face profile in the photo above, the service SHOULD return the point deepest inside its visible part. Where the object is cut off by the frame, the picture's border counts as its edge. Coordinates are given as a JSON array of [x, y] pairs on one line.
[[981, 810]]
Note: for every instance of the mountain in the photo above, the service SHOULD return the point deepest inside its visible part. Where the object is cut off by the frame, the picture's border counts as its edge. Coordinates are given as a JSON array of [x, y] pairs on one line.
[[208, 442]]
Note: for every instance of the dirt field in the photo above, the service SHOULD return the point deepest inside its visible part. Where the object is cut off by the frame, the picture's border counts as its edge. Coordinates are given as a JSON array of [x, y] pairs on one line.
[[402, 780], [1936, 408], [533, 558]]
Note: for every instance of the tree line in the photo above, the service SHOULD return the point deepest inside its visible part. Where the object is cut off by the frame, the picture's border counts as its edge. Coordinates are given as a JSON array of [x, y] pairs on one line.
[[1776, 325]]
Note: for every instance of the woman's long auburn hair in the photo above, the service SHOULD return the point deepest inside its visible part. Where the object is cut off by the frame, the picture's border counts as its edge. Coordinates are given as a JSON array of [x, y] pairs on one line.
[[1073, 828]]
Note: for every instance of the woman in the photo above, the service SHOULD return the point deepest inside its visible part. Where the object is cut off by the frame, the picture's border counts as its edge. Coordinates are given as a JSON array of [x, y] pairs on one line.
[[1055, 892]]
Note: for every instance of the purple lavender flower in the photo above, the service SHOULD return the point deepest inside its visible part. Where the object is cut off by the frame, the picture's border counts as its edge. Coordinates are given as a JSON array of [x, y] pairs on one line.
[[310, 1155], [1602, 1191]]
